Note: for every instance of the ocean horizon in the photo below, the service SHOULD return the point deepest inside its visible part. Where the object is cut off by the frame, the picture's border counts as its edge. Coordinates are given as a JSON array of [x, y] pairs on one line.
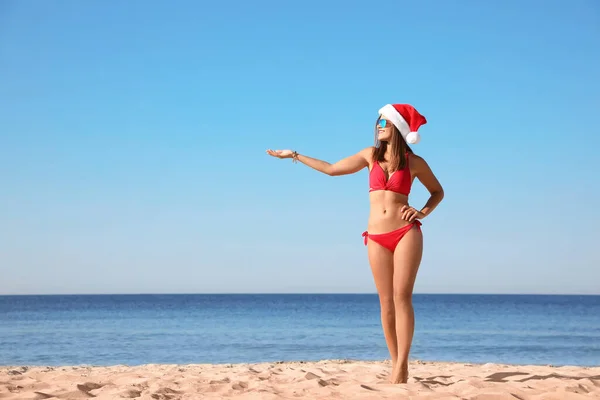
[[135, 329]]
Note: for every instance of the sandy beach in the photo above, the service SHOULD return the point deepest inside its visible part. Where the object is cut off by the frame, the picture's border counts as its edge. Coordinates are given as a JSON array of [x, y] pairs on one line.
[[327, 379]]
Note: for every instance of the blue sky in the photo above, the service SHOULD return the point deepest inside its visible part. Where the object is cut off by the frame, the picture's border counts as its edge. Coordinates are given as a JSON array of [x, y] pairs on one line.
[[133, 138]]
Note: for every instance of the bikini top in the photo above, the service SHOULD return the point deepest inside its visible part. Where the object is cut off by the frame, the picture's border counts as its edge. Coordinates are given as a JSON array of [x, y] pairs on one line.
[[400, 181]]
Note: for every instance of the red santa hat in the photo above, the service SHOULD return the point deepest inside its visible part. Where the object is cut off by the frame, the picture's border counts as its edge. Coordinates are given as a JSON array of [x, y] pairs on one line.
[[406, 118]]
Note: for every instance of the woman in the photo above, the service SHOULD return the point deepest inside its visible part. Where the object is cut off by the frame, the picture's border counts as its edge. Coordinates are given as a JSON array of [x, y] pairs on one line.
[[394, 237]]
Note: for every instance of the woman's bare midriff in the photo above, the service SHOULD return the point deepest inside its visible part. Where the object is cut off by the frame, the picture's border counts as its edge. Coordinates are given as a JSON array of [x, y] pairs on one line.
[[385, 215]]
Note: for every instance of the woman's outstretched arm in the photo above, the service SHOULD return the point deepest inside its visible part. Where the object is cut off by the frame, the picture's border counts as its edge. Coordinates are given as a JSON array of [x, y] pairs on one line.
[[348, 165]]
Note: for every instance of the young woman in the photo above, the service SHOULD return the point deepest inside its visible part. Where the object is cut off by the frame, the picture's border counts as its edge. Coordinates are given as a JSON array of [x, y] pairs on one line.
[[394, 237]]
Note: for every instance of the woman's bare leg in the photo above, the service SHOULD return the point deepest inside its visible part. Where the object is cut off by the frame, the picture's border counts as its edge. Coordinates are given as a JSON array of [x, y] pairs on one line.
[[407, 258], [382, 266]]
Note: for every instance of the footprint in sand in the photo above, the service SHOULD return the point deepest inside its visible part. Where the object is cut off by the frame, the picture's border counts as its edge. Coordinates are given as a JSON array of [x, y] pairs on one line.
[[332, 381], [216, 382], [131, 394], [88, 386], [310, 375], [14, 388], [263, 376], [239, 386], [165, 394]]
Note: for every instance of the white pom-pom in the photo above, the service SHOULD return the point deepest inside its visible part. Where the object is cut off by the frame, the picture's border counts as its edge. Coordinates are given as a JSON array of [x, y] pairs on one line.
[[413, 138]]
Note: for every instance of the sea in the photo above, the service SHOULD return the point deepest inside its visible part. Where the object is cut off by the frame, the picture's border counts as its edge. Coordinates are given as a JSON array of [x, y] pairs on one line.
[[247, 328]]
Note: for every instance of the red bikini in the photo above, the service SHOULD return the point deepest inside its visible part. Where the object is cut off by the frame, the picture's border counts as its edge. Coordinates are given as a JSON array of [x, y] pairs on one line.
[[399, 182]]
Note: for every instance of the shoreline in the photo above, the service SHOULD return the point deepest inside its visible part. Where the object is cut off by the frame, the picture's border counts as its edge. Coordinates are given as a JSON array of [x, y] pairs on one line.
[[297, 362], [325, 379]]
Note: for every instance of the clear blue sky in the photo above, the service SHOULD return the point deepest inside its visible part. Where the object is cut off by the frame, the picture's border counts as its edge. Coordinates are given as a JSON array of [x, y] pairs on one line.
[[133, 138]]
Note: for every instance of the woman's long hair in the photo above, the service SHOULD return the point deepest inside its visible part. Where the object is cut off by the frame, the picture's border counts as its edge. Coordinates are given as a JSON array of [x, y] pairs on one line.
[[398, 149]]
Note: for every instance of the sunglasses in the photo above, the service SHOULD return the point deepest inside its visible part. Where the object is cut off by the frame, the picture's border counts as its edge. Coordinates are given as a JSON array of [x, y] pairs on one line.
[[382, 123]]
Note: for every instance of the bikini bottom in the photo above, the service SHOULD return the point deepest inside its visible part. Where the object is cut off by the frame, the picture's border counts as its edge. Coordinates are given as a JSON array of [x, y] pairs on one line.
[[390, 240]]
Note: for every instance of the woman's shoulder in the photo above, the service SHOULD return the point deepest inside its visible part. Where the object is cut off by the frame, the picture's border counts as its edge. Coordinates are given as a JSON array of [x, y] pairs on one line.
[[417, 162], [415, 157], [367, 152]]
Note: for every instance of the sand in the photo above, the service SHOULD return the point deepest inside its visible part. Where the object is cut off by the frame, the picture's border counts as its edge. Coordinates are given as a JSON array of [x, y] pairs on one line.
[[329, 379]]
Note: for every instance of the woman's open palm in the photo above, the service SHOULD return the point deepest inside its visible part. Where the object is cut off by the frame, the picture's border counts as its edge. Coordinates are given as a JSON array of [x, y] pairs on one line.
[[280, 153]]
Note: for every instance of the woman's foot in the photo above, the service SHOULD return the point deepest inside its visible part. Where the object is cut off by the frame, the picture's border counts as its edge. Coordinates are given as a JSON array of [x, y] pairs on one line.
[[393, 372], [405, 374], [399, 373]]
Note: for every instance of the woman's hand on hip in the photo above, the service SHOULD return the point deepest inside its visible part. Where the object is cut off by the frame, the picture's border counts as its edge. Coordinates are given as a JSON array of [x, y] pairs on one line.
[[280, 153], [410, 213]]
